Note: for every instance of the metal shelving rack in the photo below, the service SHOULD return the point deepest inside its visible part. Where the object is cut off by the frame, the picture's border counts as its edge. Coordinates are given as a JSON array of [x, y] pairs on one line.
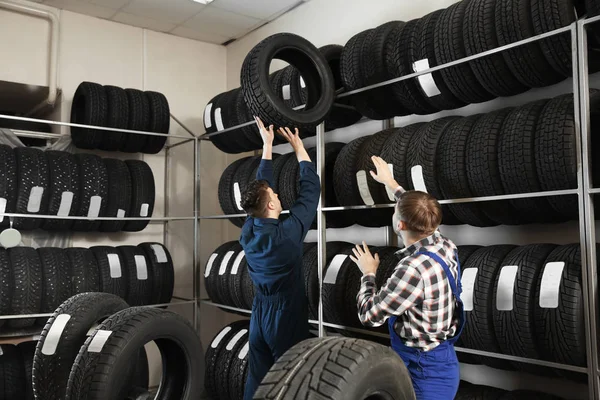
[[585, 192], [165, 220]]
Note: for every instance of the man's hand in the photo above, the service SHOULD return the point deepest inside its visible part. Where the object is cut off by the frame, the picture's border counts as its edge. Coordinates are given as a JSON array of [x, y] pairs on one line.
[[267, 135], [365, 260], [383, 174], [296, 142]]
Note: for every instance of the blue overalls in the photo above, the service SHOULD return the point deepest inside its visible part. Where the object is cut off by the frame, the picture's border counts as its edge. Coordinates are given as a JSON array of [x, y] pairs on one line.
[[274, 251], [435, 374]]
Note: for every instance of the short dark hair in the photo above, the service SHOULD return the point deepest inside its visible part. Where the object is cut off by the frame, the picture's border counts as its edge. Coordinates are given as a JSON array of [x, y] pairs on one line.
[[420, 211], [255, 199]]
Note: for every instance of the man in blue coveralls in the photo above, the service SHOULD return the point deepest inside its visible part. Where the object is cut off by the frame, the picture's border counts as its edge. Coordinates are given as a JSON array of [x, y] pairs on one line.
[[274, 255]]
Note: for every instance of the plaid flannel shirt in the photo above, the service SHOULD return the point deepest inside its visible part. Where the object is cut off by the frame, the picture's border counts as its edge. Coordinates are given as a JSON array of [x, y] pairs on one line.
[[418, 293]]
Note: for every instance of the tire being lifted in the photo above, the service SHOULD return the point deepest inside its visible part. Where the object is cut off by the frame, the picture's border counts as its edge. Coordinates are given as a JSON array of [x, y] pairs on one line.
[[265, 103]]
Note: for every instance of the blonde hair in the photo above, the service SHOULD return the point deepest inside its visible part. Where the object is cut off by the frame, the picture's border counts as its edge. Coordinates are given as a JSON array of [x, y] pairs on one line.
[[420, 211]]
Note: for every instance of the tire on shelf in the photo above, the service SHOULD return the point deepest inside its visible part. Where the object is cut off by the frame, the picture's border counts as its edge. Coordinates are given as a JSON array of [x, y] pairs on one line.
[[334, 286], [371, 191], [113, 277], [12, 369], [229, 352], [374, 369], [143, 195], [211, 271], [56, 280], [338, 219], [231, 118], [64, 189], [223, 141], [242, 177], [93, 188], [314, 69], [6, 276], [234, 280], [139, 120], [134, 328], [244, 115], [117, 116], [27, 350], [224, 274], [118, 200], [160, 121], [227, 192], [248, 289], [33, 187], [90, 107], [344, 173], [139, 275], [8, 183], [27, 289], [84, 269], [238, 372], [288, 185], [163, 272]]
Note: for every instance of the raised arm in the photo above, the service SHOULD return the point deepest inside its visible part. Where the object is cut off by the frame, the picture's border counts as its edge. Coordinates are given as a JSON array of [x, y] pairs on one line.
[[265, 169], [384, 176]]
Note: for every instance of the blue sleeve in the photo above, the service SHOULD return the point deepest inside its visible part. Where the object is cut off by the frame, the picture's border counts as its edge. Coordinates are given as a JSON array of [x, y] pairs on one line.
[[265, 172], [302, 213]]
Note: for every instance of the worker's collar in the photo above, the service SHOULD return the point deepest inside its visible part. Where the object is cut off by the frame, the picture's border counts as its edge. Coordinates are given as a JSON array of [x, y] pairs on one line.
[[265, 221], [413, 248]]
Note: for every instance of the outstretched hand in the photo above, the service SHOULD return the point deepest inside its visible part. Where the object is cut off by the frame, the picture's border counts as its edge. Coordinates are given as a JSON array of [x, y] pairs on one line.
[[383, 174], [267, 135], [296, 142], [367, 263]]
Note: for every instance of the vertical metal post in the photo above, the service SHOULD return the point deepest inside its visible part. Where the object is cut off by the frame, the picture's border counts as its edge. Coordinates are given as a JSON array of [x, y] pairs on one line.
[[390, 236], [581, 91], [166, 196], [196, 261], [321, 221]]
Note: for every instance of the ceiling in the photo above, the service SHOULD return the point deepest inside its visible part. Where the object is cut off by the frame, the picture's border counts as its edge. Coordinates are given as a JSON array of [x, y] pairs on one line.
[[218, 22]]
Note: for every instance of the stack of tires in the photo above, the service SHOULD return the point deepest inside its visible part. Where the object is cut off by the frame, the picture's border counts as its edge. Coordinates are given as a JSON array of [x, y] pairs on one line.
[[76, 185], [227, 362], [16, 364], [38, 281], [464, 29], [113, 107], [93, 347]]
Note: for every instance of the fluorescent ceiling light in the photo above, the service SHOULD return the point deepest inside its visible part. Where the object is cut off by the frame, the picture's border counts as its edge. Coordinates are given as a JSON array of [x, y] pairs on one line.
[[203, 1]]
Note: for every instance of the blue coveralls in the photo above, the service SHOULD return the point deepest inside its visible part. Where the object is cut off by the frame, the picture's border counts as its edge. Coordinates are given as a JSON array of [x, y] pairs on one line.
[[435, 374], [274, 255]]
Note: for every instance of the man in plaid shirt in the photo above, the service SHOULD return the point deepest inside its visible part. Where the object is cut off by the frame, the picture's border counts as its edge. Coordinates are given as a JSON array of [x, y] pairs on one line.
[[421, 300]]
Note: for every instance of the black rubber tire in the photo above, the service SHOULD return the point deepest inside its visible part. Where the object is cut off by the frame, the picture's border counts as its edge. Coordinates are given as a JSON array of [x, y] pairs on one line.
[[334, 294], [143, 194], [56, 279], [81, 312], [99, 375], [64, 177], [242, 140], [479, 32], [32, 171], [111, 281], [516, 331], [117, 117], [229, 351], [27, 289], [224, 295], [309, 268], [561, 331], [90, 107], [118, 200], [339, 219], [160, 122], [213, 356], [514, 22], [139, 292], [362, 369], [300, 53], [407, 92], [211, 271], [234, 280], [482, 167], [250, 132], [248, 288], [344, 173], [288, 184], [479, 330], [449, 45], [238, 372], [84, 268], [93, 183], [12, 373], [517, 164], [220, 141], [8, 181], [244, 175], [139, 120], [395, 151], [163, 272], [226, 192], [373, 147], [27, 350], [8, 285], [351, 71], [422, 46]]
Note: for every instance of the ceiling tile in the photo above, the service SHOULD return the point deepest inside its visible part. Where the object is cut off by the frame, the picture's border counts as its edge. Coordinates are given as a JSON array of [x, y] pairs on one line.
[[260, 9], [82, 8], [221, 22], [143, 22], [176, 11], [202, 36]]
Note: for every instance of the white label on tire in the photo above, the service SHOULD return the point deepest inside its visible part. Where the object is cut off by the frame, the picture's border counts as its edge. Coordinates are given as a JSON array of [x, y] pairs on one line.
[[302, 83], [237, 262], [225, 261], [287, 93], [207, 119], [159, 252], [141, 268], [334, 268], [209, 264], [66, 201], [363, 188], [36, 338], [390, 192], [237, 195], [426, 81], [94, 210], [235, 339], [219, 120], [120, 213], [115, 265], [1, 352], [506, 288], [468, 285], [244, 351], [35, 199], [550, 285], [54, 334], [220, 337], [144, 210], [98, 341], [2, 208], [418, 180]]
